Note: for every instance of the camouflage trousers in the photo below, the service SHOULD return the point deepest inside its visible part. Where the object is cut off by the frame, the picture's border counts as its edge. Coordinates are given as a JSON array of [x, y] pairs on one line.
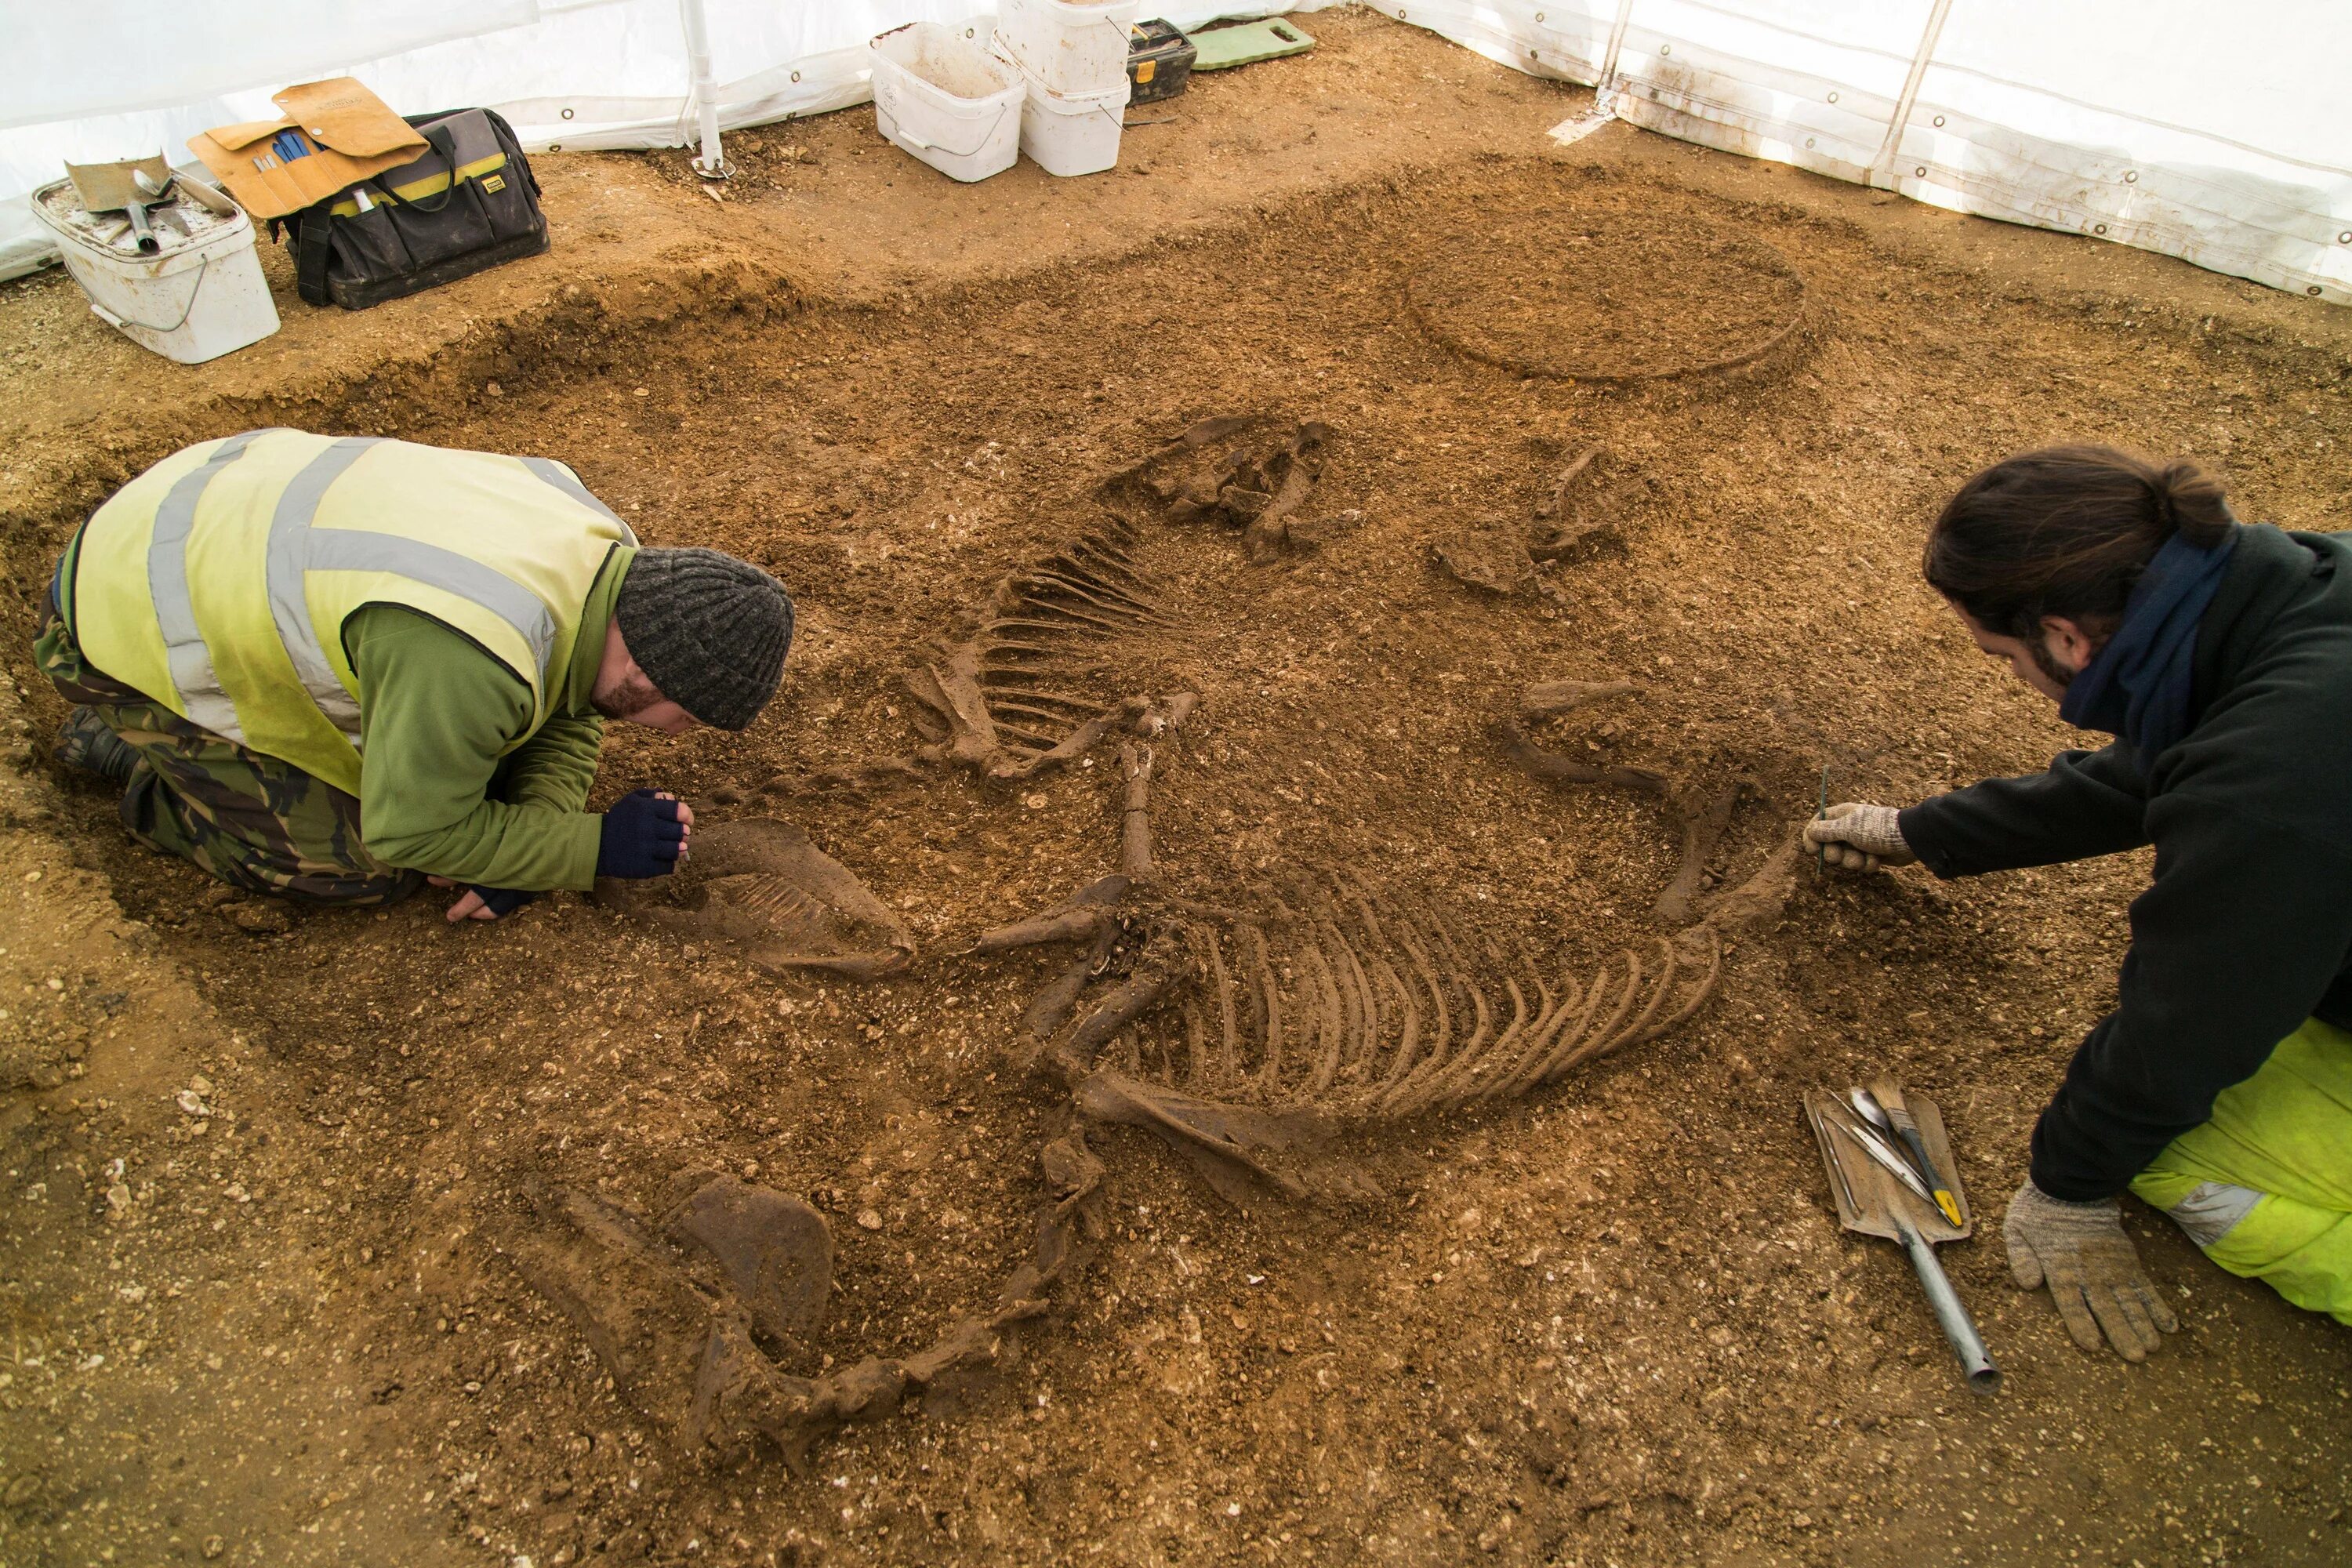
[[253, 821]]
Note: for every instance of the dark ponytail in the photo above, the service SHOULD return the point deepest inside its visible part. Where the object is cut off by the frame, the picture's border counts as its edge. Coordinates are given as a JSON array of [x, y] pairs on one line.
[[2066, 530]]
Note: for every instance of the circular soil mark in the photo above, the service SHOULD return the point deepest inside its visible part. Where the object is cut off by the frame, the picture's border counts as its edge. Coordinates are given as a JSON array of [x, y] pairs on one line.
[[1607, 298]]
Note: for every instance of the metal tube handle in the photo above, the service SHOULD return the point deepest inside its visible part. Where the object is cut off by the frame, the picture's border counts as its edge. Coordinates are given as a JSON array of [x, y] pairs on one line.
[[1958, 1326]]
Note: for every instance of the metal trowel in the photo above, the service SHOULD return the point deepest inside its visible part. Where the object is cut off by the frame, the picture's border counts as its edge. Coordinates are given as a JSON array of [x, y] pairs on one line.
[[116, 187], [1878, 1193]]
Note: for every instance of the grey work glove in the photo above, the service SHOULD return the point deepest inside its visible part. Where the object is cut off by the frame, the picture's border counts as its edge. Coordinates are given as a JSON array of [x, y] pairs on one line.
[[1857, 837], [2081, 1252]]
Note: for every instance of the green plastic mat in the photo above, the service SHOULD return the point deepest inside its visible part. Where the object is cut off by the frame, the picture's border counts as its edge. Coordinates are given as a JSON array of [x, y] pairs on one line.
[[1248, 43]]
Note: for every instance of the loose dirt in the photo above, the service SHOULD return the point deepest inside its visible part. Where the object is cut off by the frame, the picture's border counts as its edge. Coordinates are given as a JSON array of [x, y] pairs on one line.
[[1589, 297], [275, 1197]]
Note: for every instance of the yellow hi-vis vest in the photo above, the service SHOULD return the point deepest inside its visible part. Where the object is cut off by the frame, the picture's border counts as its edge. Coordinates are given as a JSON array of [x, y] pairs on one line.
[[218, 582]]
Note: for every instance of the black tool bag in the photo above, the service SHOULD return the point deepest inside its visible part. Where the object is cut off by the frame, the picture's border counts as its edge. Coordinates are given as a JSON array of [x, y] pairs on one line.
[[468, 203]]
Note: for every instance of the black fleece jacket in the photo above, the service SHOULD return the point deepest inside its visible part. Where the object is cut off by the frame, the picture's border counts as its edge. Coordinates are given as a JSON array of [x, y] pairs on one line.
[[2247, 929]]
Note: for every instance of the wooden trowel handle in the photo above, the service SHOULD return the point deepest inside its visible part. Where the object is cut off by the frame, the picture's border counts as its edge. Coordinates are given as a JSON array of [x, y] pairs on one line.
[[1958, 1326]]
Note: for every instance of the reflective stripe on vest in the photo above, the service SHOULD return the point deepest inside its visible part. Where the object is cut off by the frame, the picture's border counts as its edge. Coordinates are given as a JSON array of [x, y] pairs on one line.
[[499, 594], [564, 480], [167, 580], [2212, 1210], [289, 559], [297, 549]]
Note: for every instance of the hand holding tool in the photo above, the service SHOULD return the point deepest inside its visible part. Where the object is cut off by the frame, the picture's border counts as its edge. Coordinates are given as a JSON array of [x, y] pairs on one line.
[[2093, 1270], [1858, 837], [1821, 851]]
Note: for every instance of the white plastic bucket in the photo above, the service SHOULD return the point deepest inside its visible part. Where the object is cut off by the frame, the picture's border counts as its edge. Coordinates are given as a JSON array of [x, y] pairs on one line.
[[942, 96], [1072, 48], [199, 296], [1074, 132]]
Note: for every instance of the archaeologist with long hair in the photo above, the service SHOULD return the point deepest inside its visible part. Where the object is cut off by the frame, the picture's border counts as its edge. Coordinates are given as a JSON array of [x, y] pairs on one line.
[[337, 668], [2218, 655]]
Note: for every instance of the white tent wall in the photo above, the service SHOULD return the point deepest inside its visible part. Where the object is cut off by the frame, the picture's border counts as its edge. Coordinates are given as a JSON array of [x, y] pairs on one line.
[[2210, 131], [571, 75]]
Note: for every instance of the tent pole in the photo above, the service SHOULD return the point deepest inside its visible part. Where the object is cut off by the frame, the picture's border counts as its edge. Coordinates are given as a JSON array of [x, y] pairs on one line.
[[712, 164], [1882, 169], [1605, 95]]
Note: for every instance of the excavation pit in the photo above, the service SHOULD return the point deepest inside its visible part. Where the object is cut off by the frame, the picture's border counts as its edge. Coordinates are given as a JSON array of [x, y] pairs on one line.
[[1617, 1298]]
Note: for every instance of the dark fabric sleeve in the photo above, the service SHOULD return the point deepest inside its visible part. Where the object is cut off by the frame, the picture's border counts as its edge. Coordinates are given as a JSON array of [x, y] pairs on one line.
[[2086, 804], [2239, 936]]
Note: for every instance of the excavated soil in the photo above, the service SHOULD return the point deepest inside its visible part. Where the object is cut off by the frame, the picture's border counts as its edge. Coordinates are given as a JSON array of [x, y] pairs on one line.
[[1590, 296], [267, 1174]]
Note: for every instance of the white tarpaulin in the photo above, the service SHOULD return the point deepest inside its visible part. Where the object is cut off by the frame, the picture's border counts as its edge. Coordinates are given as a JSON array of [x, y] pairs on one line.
[[2215, 133]]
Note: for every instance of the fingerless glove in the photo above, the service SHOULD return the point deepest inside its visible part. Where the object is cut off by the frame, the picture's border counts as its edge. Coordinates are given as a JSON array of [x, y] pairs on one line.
[[641, 837], [501, 901]]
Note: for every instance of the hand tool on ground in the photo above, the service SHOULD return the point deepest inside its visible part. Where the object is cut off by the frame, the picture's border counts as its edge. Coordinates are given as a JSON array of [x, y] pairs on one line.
[[1888, 1097], [1872, 1201]]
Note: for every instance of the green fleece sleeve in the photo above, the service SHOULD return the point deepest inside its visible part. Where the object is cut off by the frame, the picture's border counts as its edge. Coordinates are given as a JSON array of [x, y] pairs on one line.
[[436, 714], [554, 768]]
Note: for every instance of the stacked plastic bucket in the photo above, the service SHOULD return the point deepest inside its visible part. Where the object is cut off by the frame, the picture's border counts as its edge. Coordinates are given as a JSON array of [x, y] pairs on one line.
[[1074, 58]]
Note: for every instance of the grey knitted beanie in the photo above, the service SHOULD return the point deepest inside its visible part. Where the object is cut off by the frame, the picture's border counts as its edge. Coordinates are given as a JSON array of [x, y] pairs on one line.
[[709, 630]]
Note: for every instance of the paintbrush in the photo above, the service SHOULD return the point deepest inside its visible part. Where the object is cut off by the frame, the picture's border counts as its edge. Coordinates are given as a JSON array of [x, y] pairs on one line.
[[1888, 1096]]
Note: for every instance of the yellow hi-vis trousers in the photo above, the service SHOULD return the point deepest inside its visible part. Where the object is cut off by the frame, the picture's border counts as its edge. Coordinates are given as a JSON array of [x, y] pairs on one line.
[[2265, 1187]]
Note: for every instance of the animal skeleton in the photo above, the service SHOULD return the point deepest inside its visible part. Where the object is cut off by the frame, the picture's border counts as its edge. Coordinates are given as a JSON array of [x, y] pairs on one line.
[[1503, 556], [1250, 1041], [1256, 485], [759, 885], [1007, 701], [1702, 814], [1021, 694], [677, 1316]]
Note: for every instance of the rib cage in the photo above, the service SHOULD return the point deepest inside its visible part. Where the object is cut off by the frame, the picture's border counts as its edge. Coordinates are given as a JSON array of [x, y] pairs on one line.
[[1024, 692], [1246, 1038], [1369, 1009]]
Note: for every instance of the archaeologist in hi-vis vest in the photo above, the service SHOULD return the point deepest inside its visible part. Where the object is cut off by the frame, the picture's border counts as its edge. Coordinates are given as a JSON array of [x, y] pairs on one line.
[[337, 668], [2220, 657]]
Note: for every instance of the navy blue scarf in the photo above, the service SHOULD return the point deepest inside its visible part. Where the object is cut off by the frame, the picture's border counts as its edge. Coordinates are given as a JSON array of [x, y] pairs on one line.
[[2138, 684]]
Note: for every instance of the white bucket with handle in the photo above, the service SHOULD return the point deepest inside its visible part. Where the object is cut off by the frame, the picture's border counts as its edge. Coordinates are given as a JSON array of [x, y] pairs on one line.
[[1074, 132], [942, 96], [1073, 46], [197, 296]]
